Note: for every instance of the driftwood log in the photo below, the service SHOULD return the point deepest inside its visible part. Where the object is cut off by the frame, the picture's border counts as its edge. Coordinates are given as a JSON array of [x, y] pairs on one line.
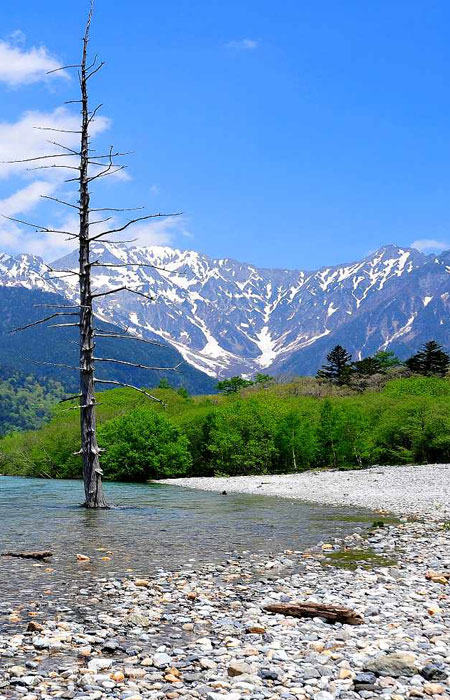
[[28, 555], [331, 613]]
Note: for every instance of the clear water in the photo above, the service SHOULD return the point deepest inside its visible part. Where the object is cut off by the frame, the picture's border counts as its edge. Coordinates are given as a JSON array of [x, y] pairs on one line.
[[154, 526]]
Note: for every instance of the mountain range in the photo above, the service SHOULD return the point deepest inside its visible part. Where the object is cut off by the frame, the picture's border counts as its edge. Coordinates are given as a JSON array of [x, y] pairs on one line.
[[226, 317]]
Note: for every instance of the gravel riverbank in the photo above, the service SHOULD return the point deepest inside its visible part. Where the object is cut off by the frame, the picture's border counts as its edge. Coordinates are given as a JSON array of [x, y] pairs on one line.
[[206, 634], [405, 489]]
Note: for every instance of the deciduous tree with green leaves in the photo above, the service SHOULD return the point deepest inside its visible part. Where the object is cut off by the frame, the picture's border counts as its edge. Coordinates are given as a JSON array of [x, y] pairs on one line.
[[296, 441], [143, 445]]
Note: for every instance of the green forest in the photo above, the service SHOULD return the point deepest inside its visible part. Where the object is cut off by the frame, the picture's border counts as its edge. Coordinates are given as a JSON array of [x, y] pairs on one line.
[[25, 401], [389, 416]]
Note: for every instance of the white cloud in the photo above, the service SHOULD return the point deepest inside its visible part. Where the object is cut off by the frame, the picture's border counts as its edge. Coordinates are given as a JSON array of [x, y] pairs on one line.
[[15, 237], [27, 198], [430, 245], [158, 231], [244, 44], [23, 67], [21, 139]]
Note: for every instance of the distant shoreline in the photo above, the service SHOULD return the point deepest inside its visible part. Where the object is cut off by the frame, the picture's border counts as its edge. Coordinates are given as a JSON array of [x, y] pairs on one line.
[[405, 490]]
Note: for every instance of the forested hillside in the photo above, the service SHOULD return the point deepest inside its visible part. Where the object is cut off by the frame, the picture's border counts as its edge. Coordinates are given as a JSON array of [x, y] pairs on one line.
[[26, 402], [261, 429], [32, 348]]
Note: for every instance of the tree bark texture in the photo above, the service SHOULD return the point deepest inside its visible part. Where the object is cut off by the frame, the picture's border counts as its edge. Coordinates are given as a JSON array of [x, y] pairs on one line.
[[332, 613], [92, 472]]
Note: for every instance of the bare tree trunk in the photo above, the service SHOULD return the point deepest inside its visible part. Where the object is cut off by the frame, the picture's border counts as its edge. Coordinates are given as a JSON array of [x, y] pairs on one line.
[[294, 461], [92, 472]]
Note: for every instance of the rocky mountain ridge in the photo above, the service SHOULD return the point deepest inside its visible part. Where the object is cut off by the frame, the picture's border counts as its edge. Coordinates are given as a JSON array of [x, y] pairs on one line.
[[227, 317]]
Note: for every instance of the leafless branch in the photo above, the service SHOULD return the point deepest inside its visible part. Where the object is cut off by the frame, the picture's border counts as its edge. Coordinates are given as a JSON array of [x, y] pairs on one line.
[[129, 386], [47, 167], [91, 65], [55, 70], [57, 306], [70, 398], [113, 155], [62, 325], [61, 277], [61, 131], [93, 72], [43, 320], [100, 165], [117, 209], [41, 229], [100, 221], [107, 171], [60, 269], [60, 201], [123, 289], [77, 408], [129, 240], [132, 221], [137, 364], [66, 148], [94, 112], [53, 364], [154, 267], [30, 160], [129, 337]]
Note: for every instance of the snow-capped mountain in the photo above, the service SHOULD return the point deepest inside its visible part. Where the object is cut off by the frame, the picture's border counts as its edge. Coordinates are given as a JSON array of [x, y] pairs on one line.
[[227, 317]]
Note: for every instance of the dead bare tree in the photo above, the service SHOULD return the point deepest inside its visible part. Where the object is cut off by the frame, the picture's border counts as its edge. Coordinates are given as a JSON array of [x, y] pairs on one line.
[[89, 167]]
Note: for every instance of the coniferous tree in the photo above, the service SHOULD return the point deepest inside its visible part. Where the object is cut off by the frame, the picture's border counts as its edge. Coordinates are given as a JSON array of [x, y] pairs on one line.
[[338, 369], [387, 359], [368, 366], [430, 360]]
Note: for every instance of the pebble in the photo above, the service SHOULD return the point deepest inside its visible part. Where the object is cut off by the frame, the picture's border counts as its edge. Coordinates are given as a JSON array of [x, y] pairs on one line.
[[238, 668], [204, 634], [161, 660]]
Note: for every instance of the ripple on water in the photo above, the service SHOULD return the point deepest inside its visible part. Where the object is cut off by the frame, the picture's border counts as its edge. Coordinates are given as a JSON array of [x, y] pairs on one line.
[[154, 526]]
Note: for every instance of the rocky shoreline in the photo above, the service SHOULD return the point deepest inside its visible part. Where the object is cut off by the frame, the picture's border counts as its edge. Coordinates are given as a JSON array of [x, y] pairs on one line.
[[422, 489], [205, 634]]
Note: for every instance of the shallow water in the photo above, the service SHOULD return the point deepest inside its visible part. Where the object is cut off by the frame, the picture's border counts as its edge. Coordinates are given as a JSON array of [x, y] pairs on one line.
[[155, 526]]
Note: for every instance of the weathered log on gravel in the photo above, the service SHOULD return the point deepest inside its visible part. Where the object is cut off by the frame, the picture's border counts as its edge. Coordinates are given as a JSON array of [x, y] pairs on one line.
[[28, 555], [332, 613]]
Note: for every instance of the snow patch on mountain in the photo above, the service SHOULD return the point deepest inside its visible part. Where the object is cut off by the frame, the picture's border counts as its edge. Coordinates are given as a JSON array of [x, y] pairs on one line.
[[227, 317]]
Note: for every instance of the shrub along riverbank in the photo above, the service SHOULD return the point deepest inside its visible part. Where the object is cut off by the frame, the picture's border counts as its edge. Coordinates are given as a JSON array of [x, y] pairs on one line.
[[269, 429]]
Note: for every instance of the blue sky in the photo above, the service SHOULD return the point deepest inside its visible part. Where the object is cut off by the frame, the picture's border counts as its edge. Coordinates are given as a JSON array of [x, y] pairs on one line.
[[292, 134]]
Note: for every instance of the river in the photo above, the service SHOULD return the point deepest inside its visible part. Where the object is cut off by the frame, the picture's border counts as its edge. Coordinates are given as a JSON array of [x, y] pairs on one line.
[[151, 527]]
